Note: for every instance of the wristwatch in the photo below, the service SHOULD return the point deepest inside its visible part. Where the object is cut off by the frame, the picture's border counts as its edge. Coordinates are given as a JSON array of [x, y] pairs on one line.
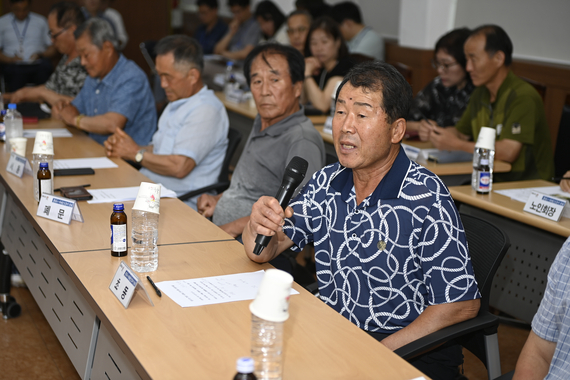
[[139, 155]]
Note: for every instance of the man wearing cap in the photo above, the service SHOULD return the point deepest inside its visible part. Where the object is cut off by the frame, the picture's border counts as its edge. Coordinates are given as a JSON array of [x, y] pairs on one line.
[[504, 102]]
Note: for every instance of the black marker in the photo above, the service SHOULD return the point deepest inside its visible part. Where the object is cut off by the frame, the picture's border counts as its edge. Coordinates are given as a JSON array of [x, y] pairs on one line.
[[154, 286], [556, 179]]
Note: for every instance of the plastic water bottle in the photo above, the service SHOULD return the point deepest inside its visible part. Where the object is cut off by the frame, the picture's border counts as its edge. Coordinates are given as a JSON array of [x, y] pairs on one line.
[[230, 82], [144, 235], [245, 367], [267, 348], [14, 123], [2, 125], [482, 177]]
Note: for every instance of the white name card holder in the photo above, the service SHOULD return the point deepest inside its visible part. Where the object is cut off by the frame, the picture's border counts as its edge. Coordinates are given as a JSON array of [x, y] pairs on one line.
[[125, 284], [60, 209], [17, 165], [546, 206]]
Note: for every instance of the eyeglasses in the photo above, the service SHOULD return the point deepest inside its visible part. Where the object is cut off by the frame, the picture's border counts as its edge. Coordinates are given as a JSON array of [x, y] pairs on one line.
[[54, 36], [301, 29], [444, 66]]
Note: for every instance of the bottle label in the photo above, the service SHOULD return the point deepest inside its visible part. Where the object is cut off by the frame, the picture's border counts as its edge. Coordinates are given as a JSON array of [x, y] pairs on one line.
[[45, 186], [118, 237], [484, 181], [2, 132]]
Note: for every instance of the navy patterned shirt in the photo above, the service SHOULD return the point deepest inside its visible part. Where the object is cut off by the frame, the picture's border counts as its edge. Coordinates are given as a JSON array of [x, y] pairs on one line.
[[382, 262]]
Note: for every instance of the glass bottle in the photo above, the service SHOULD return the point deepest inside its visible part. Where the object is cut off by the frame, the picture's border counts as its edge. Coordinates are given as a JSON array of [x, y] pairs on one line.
[[44, 179], [118, 231]]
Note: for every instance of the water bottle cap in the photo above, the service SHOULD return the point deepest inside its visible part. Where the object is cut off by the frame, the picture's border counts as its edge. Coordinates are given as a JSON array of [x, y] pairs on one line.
[[230, 63], [245, 365], [44, 165], [12, 106], [118, 207], [2, 112]]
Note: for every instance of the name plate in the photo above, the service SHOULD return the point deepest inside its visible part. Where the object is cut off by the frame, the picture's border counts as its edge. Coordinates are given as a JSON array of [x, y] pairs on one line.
[[125, 283], [546, 206], [17, 164], [60, 209]]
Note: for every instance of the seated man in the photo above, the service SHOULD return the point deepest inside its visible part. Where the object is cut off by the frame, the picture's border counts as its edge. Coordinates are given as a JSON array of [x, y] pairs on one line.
[[280, 132], [545, 354], [390, 248], [115, 95], [100, 8], [25, 46], [504, 102], [243, 35], [189, 147], [359, 38], [67, 79], [212, 29]]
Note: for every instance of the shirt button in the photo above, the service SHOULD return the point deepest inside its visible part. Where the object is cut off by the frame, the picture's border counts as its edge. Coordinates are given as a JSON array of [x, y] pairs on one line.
[[353, 235], [97, 92], [95, 110]]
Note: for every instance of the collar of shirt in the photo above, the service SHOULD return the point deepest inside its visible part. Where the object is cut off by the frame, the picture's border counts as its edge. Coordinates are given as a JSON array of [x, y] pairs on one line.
[[505, 86], [388, 188], [113, 76], [279, 127], [173, 106]]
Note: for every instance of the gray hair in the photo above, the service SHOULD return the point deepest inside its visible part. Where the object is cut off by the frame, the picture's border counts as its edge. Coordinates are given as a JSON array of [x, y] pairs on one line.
[[99, 31], [186, 51]]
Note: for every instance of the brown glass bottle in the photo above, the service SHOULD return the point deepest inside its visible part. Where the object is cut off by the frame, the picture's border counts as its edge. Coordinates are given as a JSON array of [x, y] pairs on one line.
[[118, 231], [44, 179]]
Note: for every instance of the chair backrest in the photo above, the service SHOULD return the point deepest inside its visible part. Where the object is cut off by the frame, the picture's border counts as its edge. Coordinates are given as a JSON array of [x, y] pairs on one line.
[[487, 246], [405, 70], [147, 50], [234, 138], [562, 153]]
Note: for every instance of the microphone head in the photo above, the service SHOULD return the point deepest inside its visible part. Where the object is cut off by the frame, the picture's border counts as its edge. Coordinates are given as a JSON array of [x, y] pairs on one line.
[[296, 170]]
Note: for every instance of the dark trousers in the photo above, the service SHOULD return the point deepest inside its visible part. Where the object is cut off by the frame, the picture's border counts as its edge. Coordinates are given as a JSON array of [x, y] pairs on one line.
[[441, 363], [17, 76]]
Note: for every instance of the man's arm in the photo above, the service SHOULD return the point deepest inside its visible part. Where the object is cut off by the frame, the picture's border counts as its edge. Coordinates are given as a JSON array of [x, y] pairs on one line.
[[102, 124], [37, 94], [6, 59], [433, 318], [238, 55], [236, 227], [534, 360]]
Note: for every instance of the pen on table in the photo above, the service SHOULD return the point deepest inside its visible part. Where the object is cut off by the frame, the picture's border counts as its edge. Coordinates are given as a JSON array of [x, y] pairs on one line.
[[154, 286], [59, 189], [556, 179]]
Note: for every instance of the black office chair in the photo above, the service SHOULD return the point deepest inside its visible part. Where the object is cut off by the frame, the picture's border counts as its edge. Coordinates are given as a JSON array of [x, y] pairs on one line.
[[487, 246], [234, 138]]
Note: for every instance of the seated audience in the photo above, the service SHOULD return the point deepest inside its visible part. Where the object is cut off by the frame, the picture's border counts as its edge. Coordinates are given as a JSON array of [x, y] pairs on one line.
[[212, 28], [360, 39], [298, 25], [243, 34], [67, 79], [100, 8], [444, 99], [390, 249], [116, 94], [271, 22], [316, 8], [24, 38], [502, 101], [326, 64], [280, 132], [187, 151], [546, 353]]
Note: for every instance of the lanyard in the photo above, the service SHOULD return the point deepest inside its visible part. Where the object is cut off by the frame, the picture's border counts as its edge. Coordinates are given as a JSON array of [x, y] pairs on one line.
[[22, 35]]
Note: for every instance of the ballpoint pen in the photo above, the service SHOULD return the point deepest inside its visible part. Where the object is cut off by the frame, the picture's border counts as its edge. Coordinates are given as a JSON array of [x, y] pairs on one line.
[[154, 286], [556, 179]]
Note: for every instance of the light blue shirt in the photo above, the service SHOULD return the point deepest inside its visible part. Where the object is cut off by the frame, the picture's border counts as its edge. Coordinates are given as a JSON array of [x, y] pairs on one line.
[[195, 127], [34, 31], [367, 42], [126, 91], [552, 320]]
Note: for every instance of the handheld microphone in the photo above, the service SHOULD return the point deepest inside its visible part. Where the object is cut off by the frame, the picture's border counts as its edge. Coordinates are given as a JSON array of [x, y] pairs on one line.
[[294, 175]]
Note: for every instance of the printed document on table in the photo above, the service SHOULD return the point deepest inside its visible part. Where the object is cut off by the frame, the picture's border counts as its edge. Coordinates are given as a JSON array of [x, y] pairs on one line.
[[522, 195], [92, 162], [213, 290], [123, 194], [55, 132]]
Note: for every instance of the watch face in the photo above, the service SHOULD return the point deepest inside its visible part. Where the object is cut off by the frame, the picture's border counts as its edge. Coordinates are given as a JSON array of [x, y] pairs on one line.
[[139, 157]]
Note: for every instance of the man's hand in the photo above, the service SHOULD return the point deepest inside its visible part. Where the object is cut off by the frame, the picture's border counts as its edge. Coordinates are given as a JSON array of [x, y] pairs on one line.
[[207, 204], [121, 145], [565, 183], [267, 216], [18, 96], [58, 108], [34, 56], [233, 27], [445, 138], [426, 128]]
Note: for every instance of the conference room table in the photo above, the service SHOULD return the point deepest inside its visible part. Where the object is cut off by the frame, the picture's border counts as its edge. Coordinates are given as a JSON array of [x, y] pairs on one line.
[[68, 269], [520, 281]]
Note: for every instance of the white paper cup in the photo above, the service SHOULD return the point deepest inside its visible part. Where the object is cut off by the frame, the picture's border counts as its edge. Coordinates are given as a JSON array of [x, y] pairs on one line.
[[486, 138], [148, 198], [272, 300], [18, 145], [43, 143]]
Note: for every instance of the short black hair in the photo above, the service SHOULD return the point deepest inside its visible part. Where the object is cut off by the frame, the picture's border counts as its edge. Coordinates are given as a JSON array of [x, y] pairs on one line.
[[186, 50], [268, 11], [330, 27], [294, 58], [375, 76], [212, 4], [241, 3], [67, 14], [346, 11], [496, 40], [452, 44]]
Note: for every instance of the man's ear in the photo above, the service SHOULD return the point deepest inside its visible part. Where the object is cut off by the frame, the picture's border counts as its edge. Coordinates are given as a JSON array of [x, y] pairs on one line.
[[398, 130], [298, 89], [108, 47], [499, 58]]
